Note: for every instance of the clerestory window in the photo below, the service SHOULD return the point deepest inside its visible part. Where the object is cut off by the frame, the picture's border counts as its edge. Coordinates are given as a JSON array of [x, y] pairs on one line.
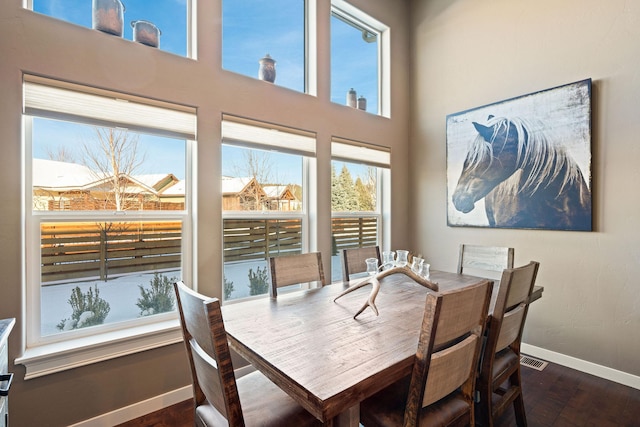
[[161, 24], [359, 58]]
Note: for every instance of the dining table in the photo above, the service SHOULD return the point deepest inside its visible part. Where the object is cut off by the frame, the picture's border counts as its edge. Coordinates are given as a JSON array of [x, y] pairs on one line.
[[328, 361]]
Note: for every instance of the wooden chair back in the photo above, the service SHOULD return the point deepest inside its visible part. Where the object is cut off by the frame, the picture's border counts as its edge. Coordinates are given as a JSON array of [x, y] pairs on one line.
[[295, 269], [485, 261], [503, 339], [353, 260], [210, 360], [448, 348]]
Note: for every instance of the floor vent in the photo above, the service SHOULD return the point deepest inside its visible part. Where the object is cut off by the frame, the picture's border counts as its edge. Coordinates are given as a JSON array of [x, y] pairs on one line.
[[531, 362]]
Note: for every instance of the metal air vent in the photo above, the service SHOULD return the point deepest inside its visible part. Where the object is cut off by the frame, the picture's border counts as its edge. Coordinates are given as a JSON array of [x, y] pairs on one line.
[[532, 362]]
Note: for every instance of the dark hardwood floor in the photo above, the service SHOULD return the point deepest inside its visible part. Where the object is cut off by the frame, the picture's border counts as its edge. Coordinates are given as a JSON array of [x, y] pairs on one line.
[[554, 397]]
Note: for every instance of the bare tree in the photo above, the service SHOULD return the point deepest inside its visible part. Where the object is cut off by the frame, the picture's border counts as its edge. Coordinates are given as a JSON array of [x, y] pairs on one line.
[[255, 164], [114, 156], [63, 154]]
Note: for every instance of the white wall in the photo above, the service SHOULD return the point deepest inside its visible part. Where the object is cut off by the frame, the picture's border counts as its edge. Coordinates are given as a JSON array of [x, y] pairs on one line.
[[469, 53]]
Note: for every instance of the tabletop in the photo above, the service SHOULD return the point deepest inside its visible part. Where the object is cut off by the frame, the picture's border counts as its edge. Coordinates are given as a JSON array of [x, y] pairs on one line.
[[315, 350]]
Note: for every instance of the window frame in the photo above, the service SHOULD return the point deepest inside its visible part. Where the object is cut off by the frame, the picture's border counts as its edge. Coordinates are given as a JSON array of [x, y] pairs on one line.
[[309, 188], [349, 151], [54, 353], [191, 48], [351, 15]]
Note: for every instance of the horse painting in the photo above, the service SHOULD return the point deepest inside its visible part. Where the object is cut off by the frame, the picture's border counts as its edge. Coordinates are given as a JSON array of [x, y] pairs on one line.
[[526, 181]]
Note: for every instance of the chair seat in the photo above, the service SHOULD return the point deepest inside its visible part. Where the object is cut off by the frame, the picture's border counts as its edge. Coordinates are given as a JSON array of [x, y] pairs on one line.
[[505, 362], [263, 403], [386, 408]]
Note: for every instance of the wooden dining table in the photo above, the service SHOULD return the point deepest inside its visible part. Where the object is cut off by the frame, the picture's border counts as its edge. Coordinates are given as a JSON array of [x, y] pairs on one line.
[[312, 347]]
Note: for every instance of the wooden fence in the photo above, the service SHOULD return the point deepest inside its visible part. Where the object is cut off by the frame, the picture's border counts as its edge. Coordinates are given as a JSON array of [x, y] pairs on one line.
[[107, 249], [354, 232], [250, 239]]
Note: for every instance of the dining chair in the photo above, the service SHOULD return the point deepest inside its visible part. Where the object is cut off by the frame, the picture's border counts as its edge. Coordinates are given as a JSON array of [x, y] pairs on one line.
[[439, 391], [353, 260], [484, 261], [220, 396], [499, 383], [295, 269]]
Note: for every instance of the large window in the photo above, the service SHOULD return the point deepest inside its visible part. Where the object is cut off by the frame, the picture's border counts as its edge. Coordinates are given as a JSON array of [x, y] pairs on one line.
[[253, 29], [108, 194], [356, 58], [163, 21], [359, 194], [265, 194]]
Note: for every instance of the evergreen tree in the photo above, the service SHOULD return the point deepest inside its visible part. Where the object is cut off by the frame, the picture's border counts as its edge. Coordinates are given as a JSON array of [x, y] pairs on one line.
[[347, 191], [365, 200], [335, 190]]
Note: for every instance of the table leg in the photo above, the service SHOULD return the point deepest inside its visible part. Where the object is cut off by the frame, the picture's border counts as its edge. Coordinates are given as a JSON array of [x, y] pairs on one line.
[[348, 418]]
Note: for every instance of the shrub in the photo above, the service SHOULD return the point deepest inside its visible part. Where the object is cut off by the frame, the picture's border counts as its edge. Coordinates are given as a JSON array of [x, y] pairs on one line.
[[227, 288], [88, 309], [258, 281], [159, 298]]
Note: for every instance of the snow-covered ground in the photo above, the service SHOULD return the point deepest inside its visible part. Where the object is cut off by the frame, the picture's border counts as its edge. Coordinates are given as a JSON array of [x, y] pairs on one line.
[[123, 292]]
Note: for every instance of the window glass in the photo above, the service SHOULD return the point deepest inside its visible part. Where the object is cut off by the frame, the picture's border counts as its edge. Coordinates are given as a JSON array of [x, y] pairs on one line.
[[259, 182], [360, 202], [251, 29], [79, 167], [354, 63], [109, 217], [168, 16], [104, 272]]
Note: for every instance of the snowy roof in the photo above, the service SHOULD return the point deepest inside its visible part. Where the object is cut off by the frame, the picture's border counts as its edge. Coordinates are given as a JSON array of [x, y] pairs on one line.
[[177, 189], [234, 185], [274, 190], [55, 174]]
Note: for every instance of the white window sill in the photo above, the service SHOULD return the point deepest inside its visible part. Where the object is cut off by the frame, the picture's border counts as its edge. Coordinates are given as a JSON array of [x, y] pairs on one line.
[[51, 358]]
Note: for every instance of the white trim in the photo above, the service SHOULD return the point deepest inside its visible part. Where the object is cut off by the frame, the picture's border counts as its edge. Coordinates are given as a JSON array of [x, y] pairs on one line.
[[138, 409], [583, 366], [360, 153], [61, 356], [56, 99], [250, 133]]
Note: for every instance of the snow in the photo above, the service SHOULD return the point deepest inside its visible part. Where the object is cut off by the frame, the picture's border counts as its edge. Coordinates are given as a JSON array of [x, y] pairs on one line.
[[123, 292]]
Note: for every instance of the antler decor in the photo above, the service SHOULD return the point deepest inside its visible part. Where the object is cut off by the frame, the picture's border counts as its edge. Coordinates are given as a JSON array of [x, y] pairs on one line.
[[374, 280]]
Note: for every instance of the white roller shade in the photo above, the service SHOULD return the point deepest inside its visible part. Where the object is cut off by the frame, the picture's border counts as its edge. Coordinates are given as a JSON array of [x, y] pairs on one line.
[[265, 136], [360, 153], [59, 100]]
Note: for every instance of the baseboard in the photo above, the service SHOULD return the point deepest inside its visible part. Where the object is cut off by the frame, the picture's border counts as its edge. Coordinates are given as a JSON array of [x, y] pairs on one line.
[[582, 365], [139, 409]]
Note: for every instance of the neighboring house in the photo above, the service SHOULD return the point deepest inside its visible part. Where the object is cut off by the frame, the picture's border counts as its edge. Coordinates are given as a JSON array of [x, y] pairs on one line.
[[246, 193], [281, 198], [71, 186]]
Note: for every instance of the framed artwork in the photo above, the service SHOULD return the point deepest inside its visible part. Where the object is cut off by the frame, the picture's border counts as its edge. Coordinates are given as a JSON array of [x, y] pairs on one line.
[[522, 163]]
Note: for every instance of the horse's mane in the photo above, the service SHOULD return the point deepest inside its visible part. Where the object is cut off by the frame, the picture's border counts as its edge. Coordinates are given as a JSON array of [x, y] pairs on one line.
[[547, 161]]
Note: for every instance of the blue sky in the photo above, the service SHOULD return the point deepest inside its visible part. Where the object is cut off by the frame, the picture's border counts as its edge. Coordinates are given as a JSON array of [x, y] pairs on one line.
[[251, 28]]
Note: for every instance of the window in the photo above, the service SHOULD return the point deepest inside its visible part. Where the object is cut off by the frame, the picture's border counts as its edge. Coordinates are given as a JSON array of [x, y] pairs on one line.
[[108, 194], [356, 58], [359, 200], [265, 191], [253, 29], [171, 18]]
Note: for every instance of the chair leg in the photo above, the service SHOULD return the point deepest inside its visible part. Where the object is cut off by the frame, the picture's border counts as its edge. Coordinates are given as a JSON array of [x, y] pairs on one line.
[[518, 402], [483, 408]]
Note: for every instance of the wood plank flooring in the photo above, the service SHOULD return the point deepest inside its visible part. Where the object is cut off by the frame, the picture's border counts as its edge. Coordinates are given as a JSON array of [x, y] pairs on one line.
[[554, 397]]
